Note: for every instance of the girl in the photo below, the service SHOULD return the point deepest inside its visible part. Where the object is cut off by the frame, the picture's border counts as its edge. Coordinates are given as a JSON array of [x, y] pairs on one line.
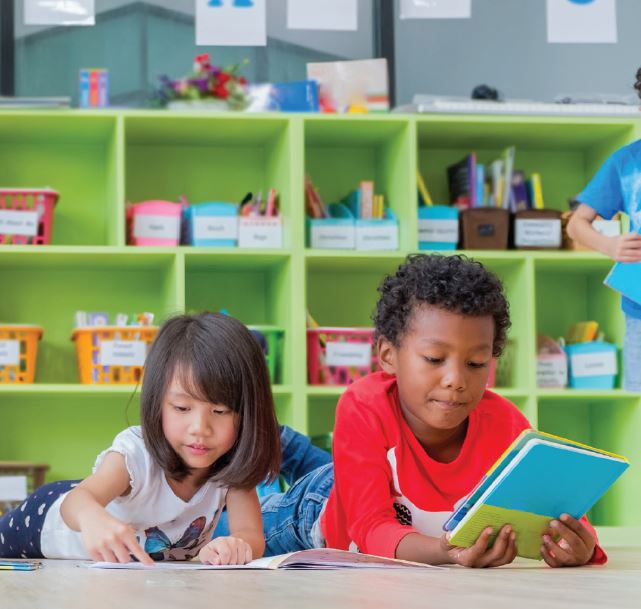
[[208, 437]]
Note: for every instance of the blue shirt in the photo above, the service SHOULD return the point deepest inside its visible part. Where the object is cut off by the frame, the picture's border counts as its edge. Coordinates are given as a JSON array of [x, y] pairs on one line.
[[617, 187]]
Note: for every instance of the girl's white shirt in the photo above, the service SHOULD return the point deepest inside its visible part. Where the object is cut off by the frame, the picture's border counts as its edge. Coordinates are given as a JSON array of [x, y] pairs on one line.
[[166, 526]]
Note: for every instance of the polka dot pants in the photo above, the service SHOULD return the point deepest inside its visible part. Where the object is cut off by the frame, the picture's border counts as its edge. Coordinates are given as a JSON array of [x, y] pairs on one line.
[[20, 528]]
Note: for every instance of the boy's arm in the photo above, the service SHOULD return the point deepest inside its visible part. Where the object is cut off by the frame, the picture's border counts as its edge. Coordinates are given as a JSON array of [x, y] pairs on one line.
[[622, 248]]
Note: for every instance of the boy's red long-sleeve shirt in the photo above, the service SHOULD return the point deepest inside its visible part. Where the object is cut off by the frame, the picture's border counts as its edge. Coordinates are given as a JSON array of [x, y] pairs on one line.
[[386, 486]]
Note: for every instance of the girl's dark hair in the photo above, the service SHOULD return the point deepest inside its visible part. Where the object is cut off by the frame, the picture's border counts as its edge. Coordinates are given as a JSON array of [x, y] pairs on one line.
[[452, 283], [217, 360], [637, 84]]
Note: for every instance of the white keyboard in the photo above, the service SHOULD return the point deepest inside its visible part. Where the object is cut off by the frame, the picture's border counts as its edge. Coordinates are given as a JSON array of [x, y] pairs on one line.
[[474, 106]]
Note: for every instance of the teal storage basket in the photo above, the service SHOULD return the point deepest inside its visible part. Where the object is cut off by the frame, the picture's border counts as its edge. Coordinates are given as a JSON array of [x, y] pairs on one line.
[[211, 224], [438, 228]]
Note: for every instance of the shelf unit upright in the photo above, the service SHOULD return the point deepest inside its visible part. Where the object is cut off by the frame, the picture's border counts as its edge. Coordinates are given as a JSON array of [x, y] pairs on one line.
[[97, 161]]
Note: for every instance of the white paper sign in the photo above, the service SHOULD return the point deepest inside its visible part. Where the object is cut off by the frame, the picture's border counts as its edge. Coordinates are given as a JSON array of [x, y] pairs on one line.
[[551, 371], [231, 23], [603, 363], [436, 9], [18, 222], [377, 237], [322, 15], [156, 227], [215, 227], [122, 352], [13, 488], [9, 352], [537, 233], [348, 354], [59, 12], [260, 232], [582, 21], [328, 237], [438, 231]]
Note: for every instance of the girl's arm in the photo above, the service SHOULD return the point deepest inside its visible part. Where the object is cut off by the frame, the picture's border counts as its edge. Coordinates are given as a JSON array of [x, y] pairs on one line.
[[246, 540], [83, 509], [622, 248]]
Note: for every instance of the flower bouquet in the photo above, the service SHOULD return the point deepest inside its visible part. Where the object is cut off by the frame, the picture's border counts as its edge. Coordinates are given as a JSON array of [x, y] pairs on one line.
[[208, 86]]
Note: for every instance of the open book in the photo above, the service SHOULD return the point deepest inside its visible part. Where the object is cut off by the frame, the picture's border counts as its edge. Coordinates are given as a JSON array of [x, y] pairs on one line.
[[324, 558], [538, 478]]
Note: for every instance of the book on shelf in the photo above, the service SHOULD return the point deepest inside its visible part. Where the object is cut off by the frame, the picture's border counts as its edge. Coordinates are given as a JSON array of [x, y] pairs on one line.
[[538, 478], [461, 179], [318, 559]]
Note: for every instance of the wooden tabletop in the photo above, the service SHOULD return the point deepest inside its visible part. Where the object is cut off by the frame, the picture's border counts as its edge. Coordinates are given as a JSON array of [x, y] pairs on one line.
[[522, 585]]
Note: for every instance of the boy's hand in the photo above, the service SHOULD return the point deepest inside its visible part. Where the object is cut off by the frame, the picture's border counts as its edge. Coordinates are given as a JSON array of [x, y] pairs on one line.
[[226, 551], [575, 546], [108, 539], [624, 248], [502, 552]]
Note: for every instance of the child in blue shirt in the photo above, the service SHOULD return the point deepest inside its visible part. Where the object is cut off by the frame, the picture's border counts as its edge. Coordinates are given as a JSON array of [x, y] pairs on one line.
[[616, 187]]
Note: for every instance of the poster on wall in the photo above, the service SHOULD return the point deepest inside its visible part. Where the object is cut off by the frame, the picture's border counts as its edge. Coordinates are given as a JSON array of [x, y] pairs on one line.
[[436, 9], [231, 23], [582, 21], [326, 15], [59, 12]]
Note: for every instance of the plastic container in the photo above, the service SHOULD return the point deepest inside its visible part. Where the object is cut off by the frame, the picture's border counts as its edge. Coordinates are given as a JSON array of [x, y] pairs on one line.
[[438, 227], [211, 224], [339, 356], [26, 215], [154, 223], [112, 355], [592, 365], [336, 232], [273, 349], [18, 353]]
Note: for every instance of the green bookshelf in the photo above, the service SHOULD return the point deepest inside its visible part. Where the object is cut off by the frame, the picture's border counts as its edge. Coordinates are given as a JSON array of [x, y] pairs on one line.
[[98, 161]]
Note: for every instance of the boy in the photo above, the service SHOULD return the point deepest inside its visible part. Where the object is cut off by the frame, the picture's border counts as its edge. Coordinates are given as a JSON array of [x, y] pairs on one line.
[[413, 440], [616, 187]]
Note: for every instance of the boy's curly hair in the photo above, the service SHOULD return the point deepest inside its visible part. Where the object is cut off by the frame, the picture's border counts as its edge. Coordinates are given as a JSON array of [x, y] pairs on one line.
[[452, 283], [637, 84]]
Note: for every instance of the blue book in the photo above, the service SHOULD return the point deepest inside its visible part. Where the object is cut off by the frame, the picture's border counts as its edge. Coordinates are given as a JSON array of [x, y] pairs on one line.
[[625, 277], [538, 478]]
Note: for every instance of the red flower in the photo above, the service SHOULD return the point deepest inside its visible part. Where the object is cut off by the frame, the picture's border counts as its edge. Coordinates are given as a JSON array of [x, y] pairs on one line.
[[223, 77], [221, 91], [242, 80]]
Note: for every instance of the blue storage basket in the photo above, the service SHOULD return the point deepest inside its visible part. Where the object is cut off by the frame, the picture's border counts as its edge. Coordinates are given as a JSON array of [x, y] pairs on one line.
[[598, 356], [224, 220], [440, 239]]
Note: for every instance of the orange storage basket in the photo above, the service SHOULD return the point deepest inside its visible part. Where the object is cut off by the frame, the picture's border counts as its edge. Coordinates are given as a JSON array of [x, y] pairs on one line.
[[18, 361], [92, 348]]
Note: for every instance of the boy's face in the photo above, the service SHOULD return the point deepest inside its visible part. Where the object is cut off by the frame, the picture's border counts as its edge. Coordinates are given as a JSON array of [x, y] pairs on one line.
[[441, 367]]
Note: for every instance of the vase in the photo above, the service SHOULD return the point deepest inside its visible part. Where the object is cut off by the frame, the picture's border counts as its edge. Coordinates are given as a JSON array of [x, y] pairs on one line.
[[210, 104]]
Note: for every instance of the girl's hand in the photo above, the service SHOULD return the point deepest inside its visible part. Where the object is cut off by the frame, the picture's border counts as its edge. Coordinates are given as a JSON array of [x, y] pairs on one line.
[[575, 546], [502, 552], [226, 551], [107, 538], [624, 248]]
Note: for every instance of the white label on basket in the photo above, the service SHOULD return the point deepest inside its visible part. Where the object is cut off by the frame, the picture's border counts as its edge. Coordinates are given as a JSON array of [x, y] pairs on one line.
[[609, 228], [377, 237], [156, 227], [215, 227], [260, 232], [13, 488], [9, 352], [439, 231], [348, 354], [122, 352], [18, 223], [339, 237], [603, 363], [552, 371], [538, 233]]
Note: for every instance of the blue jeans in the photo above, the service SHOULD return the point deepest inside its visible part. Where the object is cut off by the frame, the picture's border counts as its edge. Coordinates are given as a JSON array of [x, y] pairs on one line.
[[289, 517], [632, 354]]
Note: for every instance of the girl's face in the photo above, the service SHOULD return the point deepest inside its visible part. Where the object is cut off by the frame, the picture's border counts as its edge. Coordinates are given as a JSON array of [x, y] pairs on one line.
[[199, 432]]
